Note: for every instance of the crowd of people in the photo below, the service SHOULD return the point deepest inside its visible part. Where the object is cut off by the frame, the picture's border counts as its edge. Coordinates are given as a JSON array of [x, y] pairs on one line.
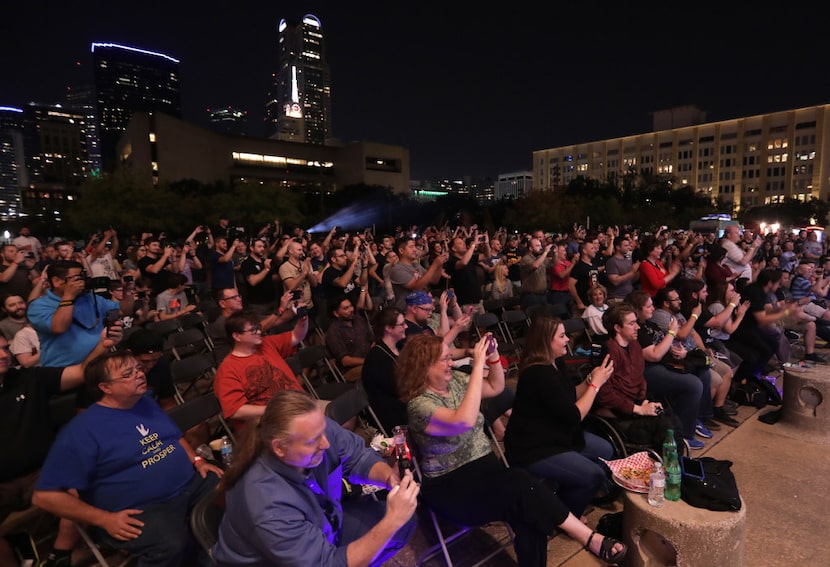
[[682, 318]]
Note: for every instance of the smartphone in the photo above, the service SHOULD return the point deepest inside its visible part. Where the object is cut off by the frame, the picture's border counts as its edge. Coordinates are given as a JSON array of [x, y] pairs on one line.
[[470, 311], [296, 294], [112, 316], [692, 467], [450, 295], [491, 345]]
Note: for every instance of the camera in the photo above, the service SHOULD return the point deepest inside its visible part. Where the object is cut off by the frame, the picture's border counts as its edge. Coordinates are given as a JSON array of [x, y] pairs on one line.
[[96, 283], [296, 294], [141, 294], [302, 311]]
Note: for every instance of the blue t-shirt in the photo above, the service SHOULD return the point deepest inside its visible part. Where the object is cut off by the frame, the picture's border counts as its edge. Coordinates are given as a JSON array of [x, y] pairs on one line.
[[71, 347], [117, 458]]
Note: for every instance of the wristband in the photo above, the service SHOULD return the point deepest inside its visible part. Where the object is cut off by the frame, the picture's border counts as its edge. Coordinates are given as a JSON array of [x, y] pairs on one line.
[[66, 303], [196, 460], [497, 361], [673, 333], [280, 311], [695, 316], [730, 304], [593, 387]]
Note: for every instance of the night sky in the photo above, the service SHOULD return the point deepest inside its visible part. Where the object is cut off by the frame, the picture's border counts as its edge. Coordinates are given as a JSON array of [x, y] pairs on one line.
[[469, 92]]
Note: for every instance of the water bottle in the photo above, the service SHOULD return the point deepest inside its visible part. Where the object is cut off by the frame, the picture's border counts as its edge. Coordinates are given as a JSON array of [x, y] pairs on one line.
[[672, 465], [205, 452], [227, 451], [656, 486]]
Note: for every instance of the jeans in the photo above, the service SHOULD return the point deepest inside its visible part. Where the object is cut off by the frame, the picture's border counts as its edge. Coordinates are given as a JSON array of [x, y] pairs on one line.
[[682, 391], [165, 539], [580, 475], [361, 515]]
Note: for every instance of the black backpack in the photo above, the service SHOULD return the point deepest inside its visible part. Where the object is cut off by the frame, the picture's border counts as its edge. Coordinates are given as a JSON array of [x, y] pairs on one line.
[[717, 491]]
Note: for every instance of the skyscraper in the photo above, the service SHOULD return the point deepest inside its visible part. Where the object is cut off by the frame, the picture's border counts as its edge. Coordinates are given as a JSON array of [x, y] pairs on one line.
[[14, 176], [299, 105], [129, 79]]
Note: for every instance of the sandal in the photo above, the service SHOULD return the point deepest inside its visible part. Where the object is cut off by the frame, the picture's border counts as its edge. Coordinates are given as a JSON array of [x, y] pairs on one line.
[[606, 552]]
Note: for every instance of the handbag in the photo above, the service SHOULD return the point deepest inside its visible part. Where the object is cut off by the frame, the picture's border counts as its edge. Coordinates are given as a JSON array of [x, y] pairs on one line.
[[697, 360], [717, 490]]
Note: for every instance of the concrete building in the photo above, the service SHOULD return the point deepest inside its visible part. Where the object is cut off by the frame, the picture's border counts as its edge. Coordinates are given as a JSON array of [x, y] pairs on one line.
[[746, 162], [162, 149], [514, 185]]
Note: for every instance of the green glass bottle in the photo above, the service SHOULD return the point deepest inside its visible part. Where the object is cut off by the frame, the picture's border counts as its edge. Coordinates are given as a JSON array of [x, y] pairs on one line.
[[672, 466]]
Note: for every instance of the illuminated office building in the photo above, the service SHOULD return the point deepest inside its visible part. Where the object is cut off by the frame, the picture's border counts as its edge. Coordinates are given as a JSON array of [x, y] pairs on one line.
[[228, 120], [299, 102], [744, 162], [127, 80], [13, 172]]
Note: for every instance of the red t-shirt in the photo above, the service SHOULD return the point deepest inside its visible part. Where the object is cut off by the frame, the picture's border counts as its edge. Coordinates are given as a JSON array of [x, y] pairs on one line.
[[242, 380]]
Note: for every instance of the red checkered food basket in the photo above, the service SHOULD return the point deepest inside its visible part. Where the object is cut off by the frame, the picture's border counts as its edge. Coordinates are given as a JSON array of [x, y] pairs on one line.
[[633, 471]]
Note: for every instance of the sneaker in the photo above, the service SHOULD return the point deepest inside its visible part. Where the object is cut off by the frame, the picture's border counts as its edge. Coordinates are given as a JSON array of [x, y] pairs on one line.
[[694, 444], [711, 425], [702, 430], [730, 405], [724, 418], [813, 357]]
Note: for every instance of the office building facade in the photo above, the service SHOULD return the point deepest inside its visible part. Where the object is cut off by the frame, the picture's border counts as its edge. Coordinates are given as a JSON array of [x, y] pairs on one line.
[[744, 162], [14, 175], [298, 108], [160, 149], [128, 80], [514, 185]]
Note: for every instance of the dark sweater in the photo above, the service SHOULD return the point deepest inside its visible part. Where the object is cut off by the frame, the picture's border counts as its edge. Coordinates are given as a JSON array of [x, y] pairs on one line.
[[545, 420], [627, 384]]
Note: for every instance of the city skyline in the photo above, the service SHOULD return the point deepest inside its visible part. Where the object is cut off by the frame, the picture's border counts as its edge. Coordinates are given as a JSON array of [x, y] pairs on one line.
[[468, 92]]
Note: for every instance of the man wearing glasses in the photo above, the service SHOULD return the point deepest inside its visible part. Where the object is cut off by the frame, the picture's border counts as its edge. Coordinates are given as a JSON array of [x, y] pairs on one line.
[[255, 369], [136, 477], [25, 416], [67, 320]]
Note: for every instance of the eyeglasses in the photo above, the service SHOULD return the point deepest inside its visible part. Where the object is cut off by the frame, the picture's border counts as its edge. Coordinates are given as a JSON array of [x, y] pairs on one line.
[[673, 299], [230, 297], [445, 360], [130, 373], [428, 309], [253, 330]]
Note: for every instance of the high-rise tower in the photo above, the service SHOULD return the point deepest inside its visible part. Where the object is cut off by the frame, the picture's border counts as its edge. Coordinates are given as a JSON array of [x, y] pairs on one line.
[[299, 106], [127, 80]]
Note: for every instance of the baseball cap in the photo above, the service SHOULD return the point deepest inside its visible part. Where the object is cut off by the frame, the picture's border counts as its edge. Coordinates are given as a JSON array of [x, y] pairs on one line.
[[144, 341], [419, 298]]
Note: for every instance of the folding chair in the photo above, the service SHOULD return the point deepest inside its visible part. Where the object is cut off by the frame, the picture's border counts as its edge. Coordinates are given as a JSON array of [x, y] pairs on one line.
[[323, 391], [188, 342], [165, 328], [445, 541], [574, 328], [98, 550], [355, 403], [317, 357], [484, 323], [189, 371], [205, 519], [494, 306], [201, 409]]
